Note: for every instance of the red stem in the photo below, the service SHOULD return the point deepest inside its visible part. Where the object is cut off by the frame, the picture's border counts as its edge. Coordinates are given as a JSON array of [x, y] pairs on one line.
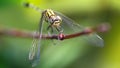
[[25, 34]]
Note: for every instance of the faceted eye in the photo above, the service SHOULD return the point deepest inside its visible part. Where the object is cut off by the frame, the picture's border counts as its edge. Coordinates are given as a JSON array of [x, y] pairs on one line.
[[59, 18]]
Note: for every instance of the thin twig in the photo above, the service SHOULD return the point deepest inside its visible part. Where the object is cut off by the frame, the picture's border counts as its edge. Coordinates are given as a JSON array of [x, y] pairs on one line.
[[25, 34]]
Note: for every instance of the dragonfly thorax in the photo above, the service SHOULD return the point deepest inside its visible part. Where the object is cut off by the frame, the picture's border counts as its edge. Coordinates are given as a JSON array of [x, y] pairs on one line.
[[52, 18]]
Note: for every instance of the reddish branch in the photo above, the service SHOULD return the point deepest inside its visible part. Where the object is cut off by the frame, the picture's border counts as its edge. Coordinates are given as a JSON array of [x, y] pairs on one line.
[[24, 34]]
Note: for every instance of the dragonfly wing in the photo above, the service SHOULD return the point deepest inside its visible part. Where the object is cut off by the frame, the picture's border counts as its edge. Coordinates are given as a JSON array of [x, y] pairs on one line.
[[94, 39], [34, 54], [69, 24], [33, 50]]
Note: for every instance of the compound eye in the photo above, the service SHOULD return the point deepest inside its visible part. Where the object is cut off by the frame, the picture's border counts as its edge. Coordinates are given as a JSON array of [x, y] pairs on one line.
[[58, 17]]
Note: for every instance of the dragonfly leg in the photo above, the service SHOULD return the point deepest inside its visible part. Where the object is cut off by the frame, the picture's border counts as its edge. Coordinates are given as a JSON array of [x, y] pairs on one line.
[[48, 27], [60, 35], [59, 29], [52, 30]]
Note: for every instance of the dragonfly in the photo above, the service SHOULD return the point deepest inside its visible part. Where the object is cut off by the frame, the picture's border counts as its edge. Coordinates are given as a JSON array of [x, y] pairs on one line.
[[57, 23]]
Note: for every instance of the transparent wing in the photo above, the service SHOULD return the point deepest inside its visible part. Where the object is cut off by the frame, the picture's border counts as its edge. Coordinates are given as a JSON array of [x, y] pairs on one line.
[[33, 49], [34, 54], [95, 40], [70, 26]]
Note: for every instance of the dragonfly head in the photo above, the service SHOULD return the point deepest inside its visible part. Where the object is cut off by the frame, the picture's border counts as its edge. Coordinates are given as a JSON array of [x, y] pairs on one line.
[[57, 21]]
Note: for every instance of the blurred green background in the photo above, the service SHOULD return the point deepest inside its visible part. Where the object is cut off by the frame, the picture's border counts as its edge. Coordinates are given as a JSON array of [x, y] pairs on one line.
[[71, 53]]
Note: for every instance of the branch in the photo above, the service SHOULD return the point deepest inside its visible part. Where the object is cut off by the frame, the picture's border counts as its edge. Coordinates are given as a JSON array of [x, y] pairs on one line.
[[25, 34]]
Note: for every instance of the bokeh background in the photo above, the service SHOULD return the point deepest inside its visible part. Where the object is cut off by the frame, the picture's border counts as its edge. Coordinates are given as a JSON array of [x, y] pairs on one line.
[[72, 53]]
